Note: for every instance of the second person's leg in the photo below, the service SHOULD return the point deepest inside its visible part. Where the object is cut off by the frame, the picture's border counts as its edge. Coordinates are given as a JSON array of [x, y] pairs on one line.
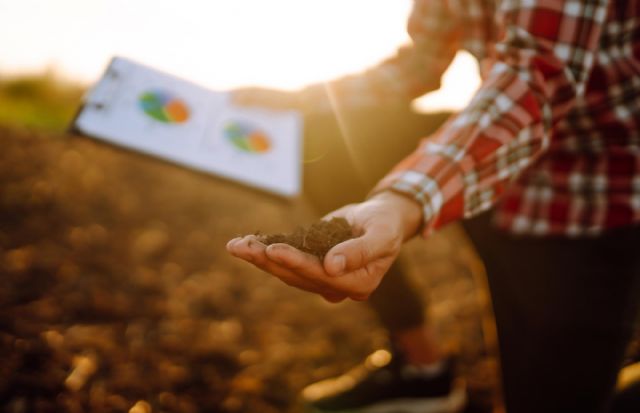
[[564, 309], [345, 155]]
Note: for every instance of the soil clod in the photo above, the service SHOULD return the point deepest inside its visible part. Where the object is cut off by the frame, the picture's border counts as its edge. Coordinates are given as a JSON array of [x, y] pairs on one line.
[[318, 239]]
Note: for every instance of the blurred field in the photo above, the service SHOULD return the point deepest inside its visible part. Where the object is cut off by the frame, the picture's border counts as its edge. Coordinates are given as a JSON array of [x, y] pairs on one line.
[[115, 288], [116, 293], [40, 101], [116, 262]]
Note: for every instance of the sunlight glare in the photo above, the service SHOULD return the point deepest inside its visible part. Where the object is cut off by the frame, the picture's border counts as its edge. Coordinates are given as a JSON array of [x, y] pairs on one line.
[[219, 44], [459, 84]]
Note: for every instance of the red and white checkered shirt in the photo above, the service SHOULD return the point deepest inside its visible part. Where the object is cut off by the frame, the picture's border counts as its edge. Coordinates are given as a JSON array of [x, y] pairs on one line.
[[552, 137]]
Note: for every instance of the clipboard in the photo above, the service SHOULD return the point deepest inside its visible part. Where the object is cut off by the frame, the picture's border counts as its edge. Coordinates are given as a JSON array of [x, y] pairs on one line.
[[146, 110]]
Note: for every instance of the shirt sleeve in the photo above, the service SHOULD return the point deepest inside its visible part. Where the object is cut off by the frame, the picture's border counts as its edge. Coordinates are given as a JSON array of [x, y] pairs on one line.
[[414, 70], [542, 63]]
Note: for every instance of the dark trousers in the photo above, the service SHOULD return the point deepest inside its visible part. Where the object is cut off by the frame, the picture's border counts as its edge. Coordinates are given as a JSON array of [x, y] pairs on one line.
[[565, 311], [564, 308]]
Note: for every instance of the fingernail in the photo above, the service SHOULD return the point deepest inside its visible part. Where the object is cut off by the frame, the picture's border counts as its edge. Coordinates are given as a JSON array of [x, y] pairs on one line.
[[231, 242], [270, 253], [338, 262]]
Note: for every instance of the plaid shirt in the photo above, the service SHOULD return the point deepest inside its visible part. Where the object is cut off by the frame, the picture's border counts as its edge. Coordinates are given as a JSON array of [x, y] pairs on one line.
[[552, 138]]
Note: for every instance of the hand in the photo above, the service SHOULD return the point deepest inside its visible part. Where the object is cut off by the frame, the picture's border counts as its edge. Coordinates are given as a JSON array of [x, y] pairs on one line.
[[353, 268], [312, 99], [267, 98]]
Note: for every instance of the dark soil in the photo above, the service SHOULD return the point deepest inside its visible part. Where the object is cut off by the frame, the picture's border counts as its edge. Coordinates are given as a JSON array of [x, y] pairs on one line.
[[317, 240], [116, 291], [117, 294]]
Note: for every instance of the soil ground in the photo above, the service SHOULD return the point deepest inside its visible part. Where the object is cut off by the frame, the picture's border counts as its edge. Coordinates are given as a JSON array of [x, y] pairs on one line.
[[117, 294]]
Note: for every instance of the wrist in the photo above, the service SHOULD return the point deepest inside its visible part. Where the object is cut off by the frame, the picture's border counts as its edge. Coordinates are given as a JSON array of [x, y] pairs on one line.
[[408, 210]]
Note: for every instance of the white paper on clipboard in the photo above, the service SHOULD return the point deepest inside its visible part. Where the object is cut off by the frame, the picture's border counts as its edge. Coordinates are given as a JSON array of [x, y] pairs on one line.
[[143, 109]]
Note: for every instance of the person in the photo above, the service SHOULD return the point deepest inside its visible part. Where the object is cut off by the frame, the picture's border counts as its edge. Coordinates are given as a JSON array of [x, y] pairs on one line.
[[543, 169]]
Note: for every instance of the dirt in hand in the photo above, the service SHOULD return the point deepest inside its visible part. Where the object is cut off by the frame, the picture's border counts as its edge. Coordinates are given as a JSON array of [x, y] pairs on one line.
[[318, 239]]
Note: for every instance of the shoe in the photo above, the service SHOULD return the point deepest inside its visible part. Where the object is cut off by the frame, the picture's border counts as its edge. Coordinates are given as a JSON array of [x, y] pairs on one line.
[[627, 396], [386, 384]]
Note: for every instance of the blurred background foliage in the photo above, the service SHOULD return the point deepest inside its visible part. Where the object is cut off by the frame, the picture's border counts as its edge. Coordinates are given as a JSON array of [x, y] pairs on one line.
[[39, 101], [116, 291]]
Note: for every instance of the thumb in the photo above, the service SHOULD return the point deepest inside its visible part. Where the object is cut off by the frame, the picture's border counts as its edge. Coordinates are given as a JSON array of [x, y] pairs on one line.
[[377, 242]]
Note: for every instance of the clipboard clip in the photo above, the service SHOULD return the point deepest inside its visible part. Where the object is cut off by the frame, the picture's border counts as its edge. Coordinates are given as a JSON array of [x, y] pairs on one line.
[[102, 93]]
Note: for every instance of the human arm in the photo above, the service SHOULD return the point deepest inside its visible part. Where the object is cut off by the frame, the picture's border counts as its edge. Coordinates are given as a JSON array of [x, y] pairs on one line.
[[542, 64], [463, 168], [415, 69]]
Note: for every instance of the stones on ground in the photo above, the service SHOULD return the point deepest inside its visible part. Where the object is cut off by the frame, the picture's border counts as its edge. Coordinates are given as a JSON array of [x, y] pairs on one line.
[[73, 285], [83, 368], [141, 407], [150, 243]]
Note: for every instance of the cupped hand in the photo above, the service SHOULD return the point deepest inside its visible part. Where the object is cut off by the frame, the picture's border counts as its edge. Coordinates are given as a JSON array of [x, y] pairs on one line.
[[352, 269]]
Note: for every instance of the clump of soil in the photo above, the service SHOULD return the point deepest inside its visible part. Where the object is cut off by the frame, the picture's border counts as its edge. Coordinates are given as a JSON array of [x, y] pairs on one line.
[[318, 239]]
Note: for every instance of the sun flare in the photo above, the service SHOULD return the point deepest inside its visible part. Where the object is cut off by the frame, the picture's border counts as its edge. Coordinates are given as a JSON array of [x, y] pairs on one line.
[[281, 43]]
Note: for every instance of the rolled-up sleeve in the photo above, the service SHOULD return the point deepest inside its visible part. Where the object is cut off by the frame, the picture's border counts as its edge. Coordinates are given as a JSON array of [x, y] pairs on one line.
[[542, 63]]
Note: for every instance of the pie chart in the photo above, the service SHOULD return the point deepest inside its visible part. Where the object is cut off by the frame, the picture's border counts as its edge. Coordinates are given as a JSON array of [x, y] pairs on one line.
[[247, 137], [164, 107]]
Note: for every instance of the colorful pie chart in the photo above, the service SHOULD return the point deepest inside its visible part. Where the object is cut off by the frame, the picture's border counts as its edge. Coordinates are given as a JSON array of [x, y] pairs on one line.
[[247, 138], [164, 107]]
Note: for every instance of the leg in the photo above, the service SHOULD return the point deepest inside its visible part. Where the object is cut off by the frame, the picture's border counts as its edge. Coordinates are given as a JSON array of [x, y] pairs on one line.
[[401, 312], [564, 311], [345, 156]]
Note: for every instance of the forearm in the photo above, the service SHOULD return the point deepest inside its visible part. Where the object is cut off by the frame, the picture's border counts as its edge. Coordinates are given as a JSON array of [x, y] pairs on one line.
[[464, 168], [414, 70]]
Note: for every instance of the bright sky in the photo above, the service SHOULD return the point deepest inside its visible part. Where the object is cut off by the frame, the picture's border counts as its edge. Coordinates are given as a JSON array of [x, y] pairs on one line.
[[217, 43]]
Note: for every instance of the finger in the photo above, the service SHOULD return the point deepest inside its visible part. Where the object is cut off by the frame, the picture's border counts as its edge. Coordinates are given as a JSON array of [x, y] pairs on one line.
[[250, 97], [248, 248], [306, 265], [243, 96], [340, 212], [294, 280], [274, 99], [334, 298], [253, 251], [232, 242], [378, 241], [359, 284]]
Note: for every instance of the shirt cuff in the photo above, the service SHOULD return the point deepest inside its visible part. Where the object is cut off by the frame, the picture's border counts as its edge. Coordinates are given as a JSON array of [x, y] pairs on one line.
[[439, 190]]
